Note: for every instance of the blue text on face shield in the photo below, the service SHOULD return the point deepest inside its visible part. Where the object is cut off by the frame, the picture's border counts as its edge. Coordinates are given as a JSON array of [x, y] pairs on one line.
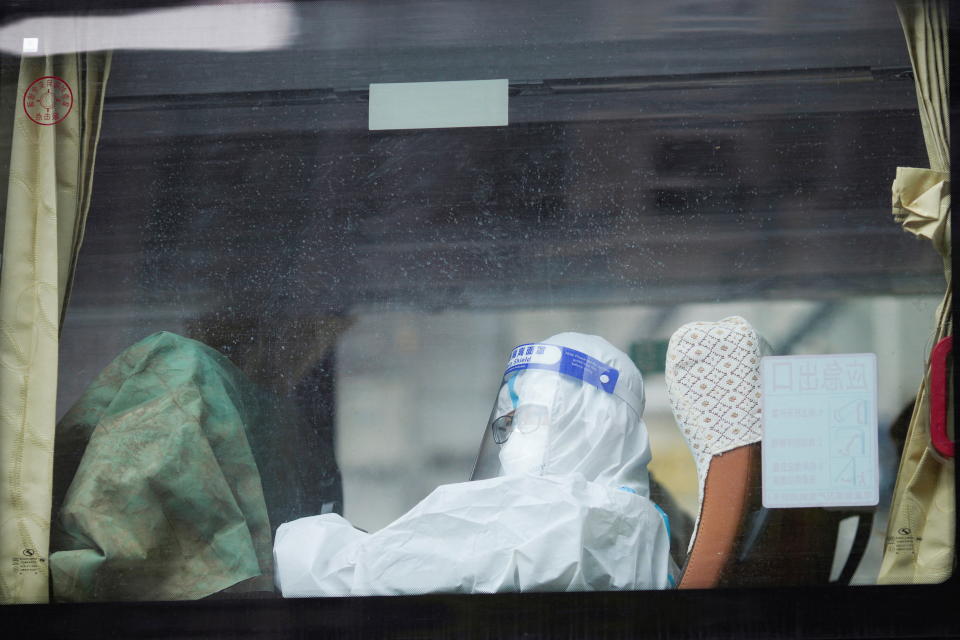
[[571, 362]]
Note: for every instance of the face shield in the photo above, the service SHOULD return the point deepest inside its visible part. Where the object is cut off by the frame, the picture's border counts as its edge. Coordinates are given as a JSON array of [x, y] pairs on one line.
[[554, 405]]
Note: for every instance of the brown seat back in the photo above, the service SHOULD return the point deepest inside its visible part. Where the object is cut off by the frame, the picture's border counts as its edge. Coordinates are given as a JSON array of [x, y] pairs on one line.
[[741, 544]]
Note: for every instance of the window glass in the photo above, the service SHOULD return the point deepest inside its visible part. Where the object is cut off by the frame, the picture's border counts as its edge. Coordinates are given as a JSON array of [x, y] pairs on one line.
[[358, 293]]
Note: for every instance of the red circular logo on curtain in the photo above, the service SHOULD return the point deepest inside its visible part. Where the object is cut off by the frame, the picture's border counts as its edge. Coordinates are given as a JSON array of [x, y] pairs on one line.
[[48, 100]]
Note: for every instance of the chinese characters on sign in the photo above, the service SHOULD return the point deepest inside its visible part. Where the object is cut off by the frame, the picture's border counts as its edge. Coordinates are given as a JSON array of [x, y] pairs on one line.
[[48, 100], [820, 430]]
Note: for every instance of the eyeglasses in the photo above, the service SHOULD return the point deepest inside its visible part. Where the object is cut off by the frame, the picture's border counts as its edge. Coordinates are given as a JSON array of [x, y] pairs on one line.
[[526, 418]]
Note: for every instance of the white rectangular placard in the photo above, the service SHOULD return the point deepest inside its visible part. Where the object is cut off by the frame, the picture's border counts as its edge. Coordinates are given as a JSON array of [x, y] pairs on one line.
[[820, 430], [434, 105]]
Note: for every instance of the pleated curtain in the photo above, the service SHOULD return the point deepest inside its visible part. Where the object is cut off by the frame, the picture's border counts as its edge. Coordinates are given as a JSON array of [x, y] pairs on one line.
[[920, 533], [48, 197]]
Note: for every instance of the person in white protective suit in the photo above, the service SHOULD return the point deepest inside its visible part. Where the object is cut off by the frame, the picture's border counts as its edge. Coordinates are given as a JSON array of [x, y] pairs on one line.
[[558, 500]]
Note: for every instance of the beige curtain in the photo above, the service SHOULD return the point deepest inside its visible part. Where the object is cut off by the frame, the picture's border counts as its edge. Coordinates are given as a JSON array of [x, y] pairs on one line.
[[48, 196], [920, 533]]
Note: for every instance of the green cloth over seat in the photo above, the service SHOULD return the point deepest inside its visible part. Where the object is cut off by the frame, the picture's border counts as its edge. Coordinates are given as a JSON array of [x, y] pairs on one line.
[[157, 495]]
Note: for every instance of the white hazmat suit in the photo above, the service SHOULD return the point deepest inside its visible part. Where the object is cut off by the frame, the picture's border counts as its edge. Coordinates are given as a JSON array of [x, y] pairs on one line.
[[566, 508]]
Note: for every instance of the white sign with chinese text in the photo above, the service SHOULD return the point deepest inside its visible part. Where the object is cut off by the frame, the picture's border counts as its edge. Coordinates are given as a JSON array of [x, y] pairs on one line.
[[820, 430]]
